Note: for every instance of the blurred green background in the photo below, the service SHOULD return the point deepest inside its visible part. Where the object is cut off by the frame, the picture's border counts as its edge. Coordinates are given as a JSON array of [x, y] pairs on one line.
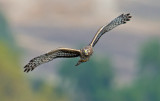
[[125, 65]]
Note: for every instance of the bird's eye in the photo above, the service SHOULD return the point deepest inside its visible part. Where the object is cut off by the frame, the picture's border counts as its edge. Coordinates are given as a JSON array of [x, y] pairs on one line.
[[86, 51]]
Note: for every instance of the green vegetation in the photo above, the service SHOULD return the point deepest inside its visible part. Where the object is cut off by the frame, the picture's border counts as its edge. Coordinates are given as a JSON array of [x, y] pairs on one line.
[[5, 32], [93, 80], [149, 61], [147, 84], [14, 86]]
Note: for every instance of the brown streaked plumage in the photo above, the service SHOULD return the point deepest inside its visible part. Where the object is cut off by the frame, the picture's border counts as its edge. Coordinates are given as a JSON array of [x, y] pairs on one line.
[[83, 53]]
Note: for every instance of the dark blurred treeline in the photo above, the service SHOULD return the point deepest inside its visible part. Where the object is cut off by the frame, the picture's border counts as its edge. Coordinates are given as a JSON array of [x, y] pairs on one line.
[[91, 81]]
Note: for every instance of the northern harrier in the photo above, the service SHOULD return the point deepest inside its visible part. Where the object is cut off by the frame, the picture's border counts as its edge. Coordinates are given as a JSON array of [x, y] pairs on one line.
[[83, 53]]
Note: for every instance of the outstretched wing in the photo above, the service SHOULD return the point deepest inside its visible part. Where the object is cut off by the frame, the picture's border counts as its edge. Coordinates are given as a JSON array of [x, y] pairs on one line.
[[58, 53], [114, 23]]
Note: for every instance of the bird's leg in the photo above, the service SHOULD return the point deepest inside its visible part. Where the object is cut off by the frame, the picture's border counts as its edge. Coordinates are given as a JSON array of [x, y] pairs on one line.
[[81, 61], [78, 63]]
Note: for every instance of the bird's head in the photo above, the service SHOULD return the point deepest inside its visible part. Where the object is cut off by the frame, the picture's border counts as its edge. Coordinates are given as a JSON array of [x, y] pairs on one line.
[[87, 51]]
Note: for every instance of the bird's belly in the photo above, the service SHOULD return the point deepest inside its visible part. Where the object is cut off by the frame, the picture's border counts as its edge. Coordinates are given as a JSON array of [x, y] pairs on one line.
[[84, 60]]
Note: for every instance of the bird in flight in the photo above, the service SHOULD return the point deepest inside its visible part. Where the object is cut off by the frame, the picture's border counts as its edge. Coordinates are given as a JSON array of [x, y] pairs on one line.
[[83, 53]]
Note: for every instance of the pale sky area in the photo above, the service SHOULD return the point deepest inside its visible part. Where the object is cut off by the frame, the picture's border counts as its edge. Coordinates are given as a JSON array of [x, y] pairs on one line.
[[88, 13]]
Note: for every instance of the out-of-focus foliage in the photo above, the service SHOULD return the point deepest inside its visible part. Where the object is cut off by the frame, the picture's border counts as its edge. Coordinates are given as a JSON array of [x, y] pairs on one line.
[[91, 81], [147, 84], [150, 58], [14, 86], [5, 32]]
